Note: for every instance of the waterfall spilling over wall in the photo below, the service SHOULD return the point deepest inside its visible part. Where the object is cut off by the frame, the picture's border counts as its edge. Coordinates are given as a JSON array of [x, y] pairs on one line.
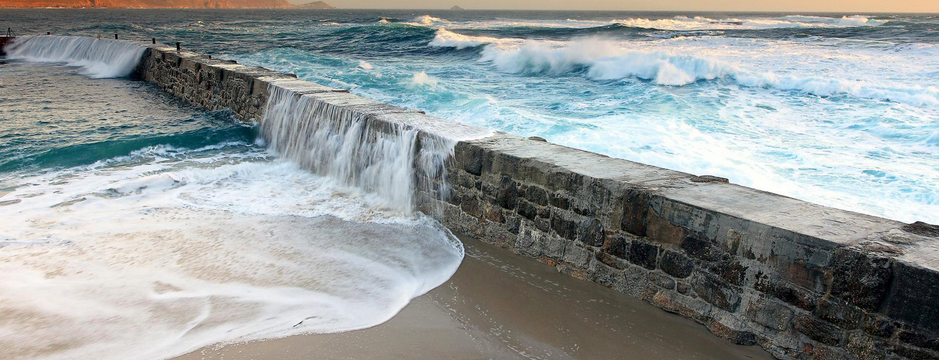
[[98, 58], [321, 132], [801, 280]]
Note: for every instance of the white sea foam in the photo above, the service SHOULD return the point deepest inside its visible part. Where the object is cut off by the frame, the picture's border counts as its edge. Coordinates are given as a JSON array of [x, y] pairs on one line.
[[97, 58], [446, 38], [609, 60], [427, 20], [422, 79], [705, 23], [155, 256]]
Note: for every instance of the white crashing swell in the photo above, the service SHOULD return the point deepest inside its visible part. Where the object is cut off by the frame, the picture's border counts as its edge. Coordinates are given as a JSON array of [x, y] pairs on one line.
[[606, 60], [98, 58], [389, 159]]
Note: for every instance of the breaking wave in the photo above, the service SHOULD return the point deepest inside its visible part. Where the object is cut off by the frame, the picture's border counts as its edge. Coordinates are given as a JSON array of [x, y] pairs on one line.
[[792, 21], [606, 60]]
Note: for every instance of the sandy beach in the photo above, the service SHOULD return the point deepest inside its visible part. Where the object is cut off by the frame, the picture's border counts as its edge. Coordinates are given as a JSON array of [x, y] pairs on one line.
[[502, 306]]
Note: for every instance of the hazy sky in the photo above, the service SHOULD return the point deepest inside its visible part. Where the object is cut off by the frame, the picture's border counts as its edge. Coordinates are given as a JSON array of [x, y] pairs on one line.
[[677, 5]]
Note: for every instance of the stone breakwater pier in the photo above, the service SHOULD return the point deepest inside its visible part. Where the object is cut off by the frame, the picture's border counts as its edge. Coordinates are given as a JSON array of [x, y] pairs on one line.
[[801, 280]]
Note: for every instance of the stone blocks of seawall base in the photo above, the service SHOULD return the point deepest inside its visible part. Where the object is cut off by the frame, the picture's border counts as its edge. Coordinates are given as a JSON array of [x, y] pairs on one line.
[[801, 280]]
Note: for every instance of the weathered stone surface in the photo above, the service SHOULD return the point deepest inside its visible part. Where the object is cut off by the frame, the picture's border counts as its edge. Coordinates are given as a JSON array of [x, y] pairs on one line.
[[770, 314], [676, 264], [686, 306], [643, 254], [591, 232], [923, 229], [576, 255], [715, 291], [610, 261], [537, 195], [471, 206], [734, 335], [560, 201], [927, 341], [865, 347], [826, 353], [615, 245], [732, 271], [527, 210], [860, 279], [702, 249], [839, 313], [818, 330], [508, 193], [564, 227], [636, 209], [914, 353], [878, 326], [662, 280], [915, 297], [789, 293]]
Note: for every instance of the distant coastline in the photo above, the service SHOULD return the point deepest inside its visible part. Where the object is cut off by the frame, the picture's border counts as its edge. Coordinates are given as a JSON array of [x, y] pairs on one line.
[[161, 4]]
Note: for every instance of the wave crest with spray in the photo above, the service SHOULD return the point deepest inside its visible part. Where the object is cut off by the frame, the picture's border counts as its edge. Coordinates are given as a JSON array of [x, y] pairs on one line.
[[606, 60]]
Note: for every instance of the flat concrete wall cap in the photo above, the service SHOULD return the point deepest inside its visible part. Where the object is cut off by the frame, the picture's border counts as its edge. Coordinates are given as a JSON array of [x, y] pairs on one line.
[[839, 227], [436, 126], [582, 162], [298, 86]]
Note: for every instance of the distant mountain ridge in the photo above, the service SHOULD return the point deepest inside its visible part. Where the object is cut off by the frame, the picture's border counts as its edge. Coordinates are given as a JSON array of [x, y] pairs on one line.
[[315, 5], [164, 4]]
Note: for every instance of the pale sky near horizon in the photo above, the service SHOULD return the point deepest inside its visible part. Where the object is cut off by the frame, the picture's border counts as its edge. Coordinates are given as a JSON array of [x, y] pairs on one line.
[[839, 6]]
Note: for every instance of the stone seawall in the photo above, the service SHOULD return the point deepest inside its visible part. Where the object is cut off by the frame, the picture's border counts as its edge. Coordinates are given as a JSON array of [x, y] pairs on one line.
[[801, 280]]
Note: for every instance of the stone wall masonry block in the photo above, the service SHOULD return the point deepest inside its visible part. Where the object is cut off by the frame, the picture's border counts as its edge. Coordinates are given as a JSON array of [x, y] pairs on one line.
[[789, 293], [861, 280], [878, 325], [643, 254], [802, 280], [715, 291], [560, 201], [866, 347], [563, 226], [818, 330], [676, 264], [576, 256], [526, 209], [615, 245], [839, 313], [769, 313], [537, 195], [662, 280], [686, 306], [635, 212], [508, 193], [591, 232], [914, 297]]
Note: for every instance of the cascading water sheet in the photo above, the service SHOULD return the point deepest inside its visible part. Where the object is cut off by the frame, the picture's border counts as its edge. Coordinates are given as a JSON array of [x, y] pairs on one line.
[[97, 58], [205, 235]]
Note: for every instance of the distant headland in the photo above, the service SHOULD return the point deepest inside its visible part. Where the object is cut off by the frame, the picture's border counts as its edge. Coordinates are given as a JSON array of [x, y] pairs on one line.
[[315, 5], [457, 7], [172, 4]]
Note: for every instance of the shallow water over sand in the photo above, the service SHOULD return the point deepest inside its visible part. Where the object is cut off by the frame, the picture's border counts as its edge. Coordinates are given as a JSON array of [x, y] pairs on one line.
[[139, 228], [502, 306]]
